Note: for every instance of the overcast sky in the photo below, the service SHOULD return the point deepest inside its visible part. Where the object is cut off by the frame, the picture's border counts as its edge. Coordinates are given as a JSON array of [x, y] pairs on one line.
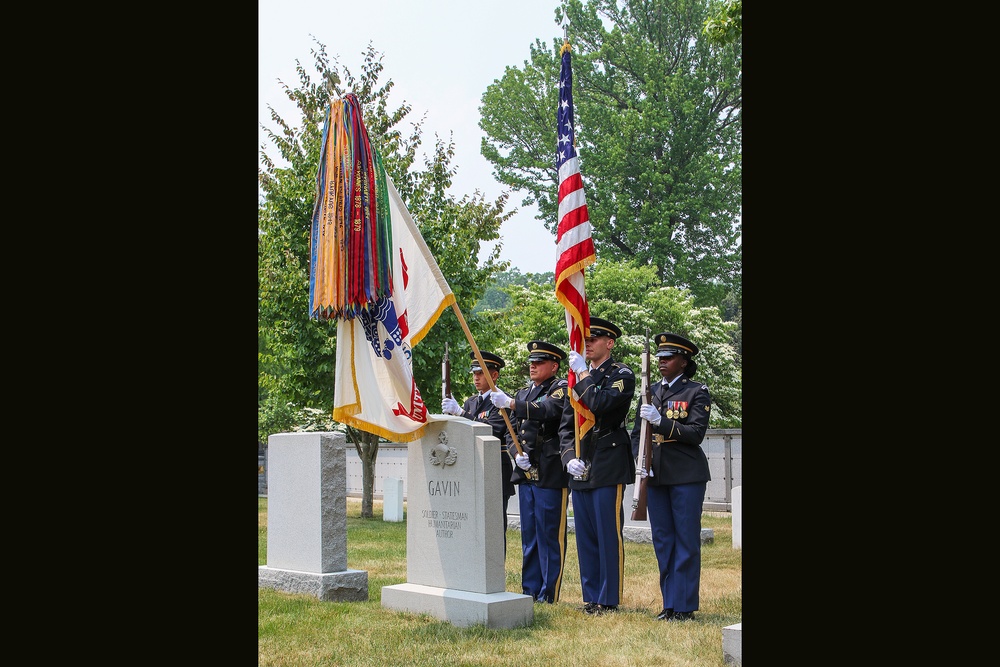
[[441, 55]]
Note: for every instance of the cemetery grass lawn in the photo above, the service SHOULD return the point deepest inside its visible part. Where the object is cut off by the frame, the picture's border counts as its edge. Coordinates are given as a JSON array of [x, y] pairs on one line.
[[301, 630]]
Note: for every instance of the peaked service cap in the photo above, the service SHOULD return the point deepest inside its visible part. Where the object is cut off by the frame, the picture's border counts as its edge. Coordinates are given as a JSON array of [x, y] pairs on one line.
[[493, 362], [539, 350], [669, 344], [600, 327]]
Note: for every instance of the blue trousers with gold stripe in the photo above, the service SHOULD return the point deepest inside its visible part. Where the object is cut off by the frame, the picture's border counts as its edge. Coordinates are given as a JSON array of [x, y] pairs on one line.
[[600, 545], [543, 540], [675, 522]]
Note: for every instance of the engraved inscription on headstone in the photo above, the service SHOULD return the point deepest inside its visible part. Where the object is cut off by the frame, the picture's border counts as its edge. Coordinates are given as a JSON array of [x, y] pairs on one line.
[[445, 523]]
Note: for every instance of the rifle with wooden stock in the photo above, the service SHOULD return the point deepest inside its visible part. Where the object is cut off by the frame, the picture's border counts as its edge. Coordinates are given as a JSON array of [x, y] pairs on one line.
[[645, 444]]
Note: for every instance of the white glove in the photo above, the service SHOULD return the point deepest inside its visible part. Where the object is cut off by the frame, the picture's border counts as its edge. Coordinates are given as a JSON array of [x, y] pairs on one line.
[[650, 414], [501, 400], [575, 467], [643, 473], [577, 362], [450, 406], [522, 461]]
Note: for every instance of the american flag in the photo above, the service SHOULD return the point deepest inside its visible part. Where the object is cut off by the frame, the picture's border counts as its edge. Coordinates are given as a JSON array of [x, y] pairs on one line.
[[573, 242]]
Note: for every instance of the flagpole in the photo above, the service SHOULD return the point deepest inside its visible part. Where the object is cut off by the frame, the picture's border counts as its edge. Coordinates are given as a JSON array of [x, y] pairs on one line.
[[576, 413], [569, 296], [576, 432], [486, 374]]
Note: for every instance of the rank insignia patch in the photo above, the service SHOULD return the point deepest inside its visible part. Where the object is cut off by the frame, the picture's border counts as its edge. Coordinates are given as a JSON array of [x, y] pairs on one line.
[[619, 385]]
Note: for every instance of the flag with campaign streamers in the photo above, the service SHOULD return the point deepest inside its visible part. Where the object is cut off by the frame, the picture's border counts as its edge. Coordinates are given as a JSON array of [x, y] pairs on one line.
[[371, 270]]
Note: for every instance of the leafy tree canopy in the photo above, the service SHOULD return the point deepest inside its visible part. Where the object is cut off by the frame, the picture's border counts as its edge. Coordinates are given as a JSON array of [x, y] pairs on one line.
[[726, 26], [658, 126], [296, 355]]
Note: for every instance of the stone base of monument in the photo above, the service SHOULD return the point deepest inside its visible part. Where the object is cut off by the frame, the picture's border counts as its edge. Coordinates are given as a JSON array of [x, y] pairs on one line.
[[346, 586], [732, 644], [455, 530], [462, 608]]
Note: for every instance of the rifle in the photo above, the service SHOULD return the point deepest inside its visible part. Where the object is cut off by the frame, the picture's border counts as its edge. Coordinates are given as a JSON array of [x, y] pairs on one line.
[[645, 444], [446, 374]]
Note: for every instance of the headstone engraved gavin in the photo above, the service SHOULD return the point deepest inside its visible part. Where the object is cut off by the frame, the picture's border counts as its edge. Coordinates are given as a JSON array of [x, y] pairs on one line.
[[454, 545]]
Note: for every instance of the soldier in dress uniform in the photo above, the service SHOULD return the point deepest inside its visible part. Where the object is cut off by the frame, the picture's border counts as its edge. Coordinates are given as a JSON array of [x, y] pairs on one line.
[[679, 474], [541, 481], [604, 467], [480, 408]]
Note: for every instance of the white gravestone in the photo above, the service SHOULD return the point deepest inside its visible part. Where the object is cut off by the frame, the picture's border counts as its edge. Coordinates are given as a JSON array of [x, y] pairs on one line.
[[392, 499], [455, 563], [738, 517], [307, 518]]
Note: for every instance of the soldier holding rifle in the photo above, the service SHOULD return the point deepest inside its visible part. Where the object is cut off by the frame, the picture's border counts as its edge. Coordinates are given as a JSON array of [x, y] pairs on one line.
[[541, 481], [480, 408], [678, 475], [601, 464]]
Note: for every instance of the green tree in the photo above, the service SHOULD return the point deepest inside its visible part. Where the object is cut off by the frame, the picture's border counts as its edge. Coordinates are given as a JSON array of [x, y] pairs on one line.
[[659, 131], [297, 354], [496, 299], [726, 25]]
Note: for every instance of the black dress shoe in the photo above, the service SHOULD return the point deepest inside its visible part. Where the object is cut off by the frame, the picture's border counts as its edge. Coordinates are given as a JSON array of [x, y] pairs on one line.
[[595, 609], [665, 615], [682, 616]]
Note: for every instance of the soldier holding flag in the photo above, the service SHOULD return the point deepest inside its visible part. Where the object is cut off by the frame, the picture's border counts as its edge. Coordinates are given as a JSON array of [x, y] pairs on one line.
[[541, 481], [594, 443], [602, 466]]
